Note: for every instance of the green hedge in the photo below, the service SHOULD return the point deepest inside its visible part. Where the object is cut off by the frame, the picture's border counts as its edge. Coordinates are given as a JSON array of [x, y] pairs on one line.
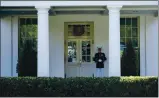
[[79, 87]]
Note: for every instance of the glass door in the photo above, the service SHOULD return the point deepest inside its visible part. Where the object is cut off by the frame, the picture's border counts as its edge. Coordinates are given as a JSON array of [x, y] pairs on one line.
[[79, 57]]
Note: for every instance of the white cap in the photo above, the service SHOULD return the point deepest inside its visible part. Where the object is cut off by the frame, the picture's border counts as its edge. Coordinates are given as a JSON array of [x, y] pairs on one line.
[[99, 46]]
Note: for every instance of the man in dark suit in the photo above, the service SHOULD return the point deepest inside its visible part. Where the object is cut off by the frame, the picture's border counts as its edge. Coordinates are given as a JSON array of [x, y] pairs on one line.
[[99, 59]]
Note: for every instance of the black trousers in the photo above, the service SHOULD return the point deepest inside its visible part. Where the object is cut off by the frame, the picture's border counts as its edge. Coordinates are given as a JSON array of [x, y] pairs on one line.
[[100, 65]]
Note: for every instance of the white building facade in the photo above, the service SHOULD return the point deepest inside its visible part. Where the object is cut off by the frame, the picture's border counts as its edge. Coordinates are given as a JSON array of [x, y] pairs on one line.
[[62, 53]]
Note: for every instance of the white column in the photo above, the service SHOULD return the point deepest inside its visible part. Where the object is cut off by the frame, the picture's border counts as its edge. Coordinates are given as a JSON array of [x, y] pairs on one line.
[[114, 40], [43, 41]]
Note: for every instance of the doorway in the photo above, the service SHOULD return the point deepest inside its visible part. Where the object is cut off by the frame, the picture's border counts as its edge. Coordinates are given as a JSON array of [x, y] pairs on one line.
[[79, 49]]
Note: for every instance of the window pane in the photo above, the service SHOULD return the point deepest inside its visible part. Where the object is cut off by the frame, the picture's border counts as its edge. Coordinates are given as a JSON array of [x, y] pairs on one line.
[[72, 59], [87, 30], [122, 21], [23, 31], [22, 21], [127, 40], [122, 32], [134, 22], [34, 21], [72, 51], [122, 41], [122, 26], [86, 44], [79, 30], [128, 31], [134, 32], [86, 48], [84, 59], [88, 58], [128, 21], [135, 42], [84, 51], [122, 45], [28, 21], [88, 51]]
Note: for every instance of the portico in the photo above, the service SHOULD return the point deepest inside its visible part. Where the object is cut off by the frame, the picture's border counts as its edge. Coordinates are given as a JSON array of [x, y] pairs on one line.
[[44, 27], [43, 40]]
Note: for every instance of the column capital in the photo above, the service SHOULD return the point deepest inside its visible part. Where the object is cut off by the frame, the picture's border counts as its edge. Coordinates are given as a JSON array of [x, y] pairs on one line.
[[114, 7], [42, 8]]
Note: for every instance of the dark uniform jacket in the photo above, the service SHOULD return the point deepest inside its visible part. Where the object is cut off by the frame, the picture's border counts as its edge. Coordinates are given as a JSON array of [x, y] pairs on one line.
[[97, 57]]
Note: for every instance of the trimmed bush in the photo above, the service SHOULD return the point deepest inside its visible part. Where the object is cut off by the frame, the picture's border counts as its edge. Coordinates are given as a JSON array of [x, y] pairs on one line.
[[79, 87], [27, 63], [129, 61]]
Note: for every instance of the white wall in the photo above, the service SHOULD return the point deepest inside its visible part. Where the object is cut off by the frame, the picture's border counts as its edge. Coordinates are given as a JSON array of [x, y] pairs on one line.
[[148, 46], [57, 41], [151, 46], [148, 39], [9, 46]]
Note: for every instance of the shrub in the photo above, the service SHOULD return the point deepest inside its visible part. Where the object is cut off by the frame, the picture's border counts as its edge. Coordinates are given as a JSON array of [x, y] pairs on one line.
[[129, 61], [27, 63], [79, 87]]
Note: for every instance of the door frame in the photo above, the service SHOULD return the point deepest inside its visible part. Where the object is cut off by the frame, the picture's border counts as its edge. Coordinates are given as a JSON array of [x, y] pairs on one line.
[[77, 38]]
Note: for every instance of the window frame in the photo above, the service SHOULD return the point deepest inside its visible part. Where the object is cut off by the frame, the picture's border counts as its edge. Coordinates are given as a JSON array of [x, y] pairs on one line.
[[138, 31], [19, 30]]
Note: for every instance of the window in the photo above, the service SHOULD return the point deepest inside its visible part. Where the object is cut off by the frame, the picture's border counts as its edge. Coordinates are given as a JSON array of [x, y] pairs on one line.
[[79, 30], [129, 32], [27, 30]]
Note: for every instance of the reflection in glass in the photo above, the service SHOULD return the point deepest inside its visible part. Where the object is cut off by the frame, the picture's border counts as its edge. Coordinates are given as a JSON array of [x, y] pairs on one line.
[[128, 21], [128, 31], [135, 42], [134, 32], [28, 31], [86, 51], [128, 40], [122, 21], [84, 59], [88, 58], [79, 30], [122, 45], [122, 32], [72, 51], [134, 22]]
